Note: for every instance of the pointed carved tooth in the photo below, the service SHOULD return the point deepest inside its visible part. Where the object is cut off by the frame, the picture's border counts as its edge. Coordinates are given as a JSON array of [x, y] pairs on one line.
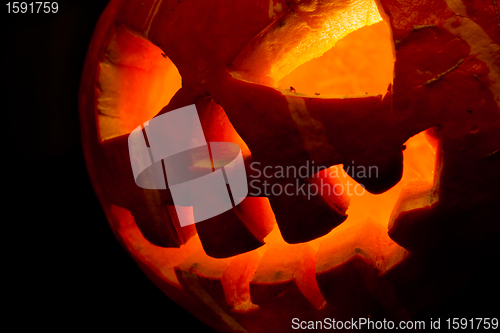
[[348, 121], [285, 275], [238, 230], [346, 287], [157, 224], [306, 214], [244, 227], [201, 276], [226, 281], [412, 215], [149, 207], [208, 271], [349, 267], [236, 281], [157, 262]]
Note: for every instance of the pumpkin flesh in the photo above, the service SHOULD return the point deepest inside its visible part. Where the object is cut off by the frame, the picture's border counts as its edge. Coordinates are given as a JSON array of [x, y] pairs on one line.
[[237, 292]]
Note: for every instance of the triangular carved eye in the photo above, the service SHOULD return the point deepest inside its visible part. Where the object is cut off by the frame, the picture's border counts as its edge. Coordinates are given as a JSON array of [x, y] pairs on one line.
[[301, 31], [136, 80], [360, 63]]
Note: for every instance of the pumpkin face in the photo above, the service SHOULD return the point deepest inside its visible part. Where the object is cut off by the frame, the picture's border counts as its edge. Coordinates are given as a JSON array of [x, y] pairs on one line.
[[425, 119]]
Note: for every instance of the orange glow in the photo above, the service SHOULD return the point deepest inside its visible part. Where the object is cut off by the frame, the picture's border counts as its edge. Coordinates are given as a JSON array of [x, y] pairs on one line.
[[136, 81], [365, 229], [301, 35], [360, 63]]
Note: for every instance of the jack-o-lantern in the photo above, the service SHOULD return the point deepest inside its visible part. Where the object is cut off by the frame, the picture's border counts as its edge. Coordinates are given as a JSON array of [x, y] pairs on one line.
[[408, 89]]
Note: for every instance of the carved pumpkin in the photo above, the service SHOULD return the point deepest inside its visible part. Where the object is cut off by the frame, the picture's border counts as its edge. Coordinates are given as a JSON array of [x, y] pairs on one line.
[[416, 97]]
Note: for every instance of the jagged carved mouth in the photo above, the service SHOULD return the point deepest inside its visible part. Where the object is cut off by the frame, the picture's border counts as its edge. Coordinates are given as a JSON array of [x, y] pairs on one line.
[[136, 80]]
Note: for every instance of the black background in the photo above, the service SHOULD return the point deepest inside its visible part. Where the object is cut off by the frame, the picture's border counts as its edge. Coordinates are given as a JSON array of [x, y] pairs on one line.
[[63, 265]]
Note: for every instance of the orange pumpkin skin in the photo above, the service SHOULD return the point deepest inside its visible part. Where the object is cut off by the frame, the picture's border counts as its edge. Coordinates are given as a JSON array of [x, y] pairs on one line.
[[446, 82]]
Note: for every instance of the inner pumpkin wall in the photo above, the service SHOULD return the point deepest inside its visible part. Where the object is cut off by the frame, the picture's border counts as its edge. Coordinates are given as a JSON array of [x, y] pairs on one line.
[[136, 80], [360, 63]]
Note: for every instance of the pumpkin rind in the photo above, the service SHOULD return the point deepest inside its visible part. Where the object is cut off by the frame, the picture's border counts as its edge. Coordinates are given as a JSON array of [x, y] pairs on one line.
[[446, 82]]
